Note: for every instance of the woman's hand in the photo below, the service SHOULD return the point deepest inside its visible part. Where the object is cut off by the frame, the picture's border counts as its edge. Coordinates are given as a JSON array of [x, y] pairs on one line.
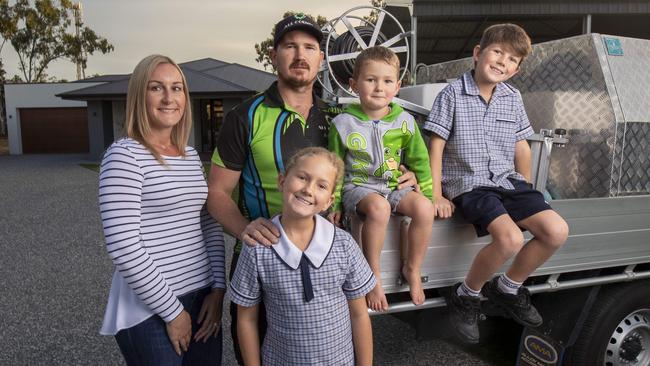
[[179, 331], [210, 315]]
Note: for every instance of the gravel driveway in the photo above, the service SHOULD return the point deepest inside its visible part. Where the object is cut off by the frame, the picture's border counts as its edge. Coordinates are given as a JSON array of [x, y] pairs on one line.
[[56, 274]]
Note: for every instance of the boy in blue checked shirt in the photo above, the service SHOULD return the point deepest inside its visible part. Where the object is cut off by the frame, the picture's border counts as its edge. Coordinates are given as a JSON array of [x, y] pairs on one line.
[[481, 162], [312, 282]]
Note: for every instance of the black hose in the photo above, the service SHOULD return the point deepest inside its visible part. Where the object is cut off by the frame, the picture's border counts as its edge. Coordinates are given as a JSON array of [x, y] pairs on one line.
[[346, 43]]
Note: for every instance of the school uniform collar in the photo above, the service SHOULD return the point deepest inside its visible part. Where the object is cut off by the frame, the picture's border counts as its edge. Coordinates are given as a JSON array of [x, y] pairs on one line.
[[470, 87], [318, 249]]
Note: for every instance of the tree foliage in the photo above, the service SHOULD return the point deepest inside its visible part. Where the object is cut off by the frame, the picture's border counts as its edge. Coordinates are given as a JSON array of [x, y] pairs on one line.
[[263, 49], [8, 27], [374, 14], [43, 34]]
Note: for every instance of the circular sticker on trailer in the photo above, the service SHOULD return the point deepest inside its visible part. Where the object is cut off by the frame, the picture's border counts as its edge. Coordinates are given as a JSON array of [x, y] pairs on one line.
[[540, 349]]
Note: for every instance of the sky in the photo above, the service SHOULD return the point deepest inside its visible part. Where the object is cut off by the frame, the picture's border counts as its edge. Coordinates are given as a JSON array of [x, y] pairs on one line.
[[184, 30]]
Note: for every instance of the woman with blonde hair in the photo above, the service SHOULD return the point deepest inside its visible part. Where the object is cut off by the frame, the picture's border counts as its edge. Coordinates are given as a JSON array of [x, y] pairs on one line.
[[165, 303]]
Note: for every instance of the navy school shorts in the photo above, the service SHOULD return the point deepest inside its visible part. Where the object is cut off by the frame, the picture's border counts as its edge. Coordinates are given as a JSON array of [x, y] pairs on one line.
[[482, 205]]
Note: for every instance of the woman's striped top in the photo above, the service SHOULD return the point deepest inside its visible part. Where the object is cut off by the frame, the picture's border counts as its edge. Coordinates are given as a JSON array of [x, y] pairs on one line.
[[158, 232]]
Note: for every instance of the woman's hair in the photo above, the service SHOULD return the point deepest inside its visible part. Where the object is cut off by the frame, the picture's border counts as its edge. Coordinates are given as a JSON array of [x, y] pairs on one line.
[[137, 121], [337, 163]]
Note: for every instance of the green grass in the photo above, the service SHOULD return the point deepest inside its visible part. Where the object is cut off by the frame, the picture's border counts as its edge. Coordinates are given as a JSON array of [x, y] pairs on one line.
[[93, 167]]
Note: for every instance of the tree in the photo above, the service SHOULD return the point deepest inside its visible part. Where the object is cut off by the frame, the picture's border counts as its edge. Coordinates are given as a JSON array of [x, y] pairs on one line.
[[43, 36], [7, 29], [263, 49], [373, 16]]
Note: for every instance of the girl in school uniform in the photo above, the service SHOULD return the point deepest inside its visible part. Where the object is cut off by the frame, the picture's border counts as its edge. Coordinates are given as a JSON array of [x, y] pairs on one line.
[[313, 282]]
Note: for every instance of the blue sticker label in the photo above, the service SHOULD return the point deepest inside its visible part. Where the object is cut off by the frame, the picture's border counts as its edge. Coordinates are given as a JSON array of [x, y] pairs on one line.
[[613, 46]]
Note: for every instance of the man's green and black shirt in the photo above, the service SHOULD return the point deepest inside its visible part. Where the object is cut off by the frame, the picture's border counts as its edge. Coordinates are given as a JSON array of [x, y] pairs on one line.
[[258, 138]]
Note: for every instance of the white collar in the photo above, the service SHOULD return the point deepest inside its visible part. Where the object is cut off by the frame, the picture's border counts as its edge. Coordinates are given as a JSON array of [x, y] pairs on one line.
[[318, 249]]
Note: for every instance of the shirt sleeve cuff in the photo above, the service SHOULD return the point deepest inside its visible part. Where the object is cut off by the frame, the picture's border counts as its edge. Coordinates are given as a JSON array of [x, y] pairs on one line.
[[243, 299], [432, 127], [179, 308], [525, 133]]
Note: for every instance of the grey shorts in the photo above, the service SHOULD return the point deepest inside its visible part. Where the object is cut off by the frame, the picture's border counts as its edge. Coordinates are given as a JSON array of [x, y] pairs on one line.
[[353, 196]]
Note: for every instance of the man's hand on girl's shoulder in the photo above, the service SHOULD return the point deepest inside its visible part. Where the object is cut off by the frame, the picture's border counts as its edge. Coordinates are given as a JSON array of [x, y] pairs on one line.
[[260, 231]]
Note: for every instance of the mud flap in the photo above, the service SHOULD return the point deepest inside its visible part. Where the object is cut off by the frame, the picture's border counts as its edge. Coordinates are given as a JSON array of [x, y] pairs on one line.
[[538, 349]]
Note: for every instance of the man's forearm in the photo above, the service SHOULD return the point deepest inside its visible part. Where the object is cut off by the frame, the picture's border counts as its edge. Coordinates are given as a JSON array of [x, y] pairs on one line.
[[225, 211]]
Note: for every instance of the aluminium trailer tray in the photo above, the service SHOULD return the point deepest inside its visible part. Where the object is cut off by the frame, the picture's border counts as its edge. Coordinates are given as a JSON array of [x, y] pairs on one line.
[[604, 233]]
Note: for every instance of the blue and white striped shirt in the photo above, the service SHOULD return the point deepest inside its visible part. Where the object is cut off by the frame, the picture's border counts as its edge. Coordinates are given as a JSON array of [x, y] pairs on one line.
[[481, 137], [158, 233]]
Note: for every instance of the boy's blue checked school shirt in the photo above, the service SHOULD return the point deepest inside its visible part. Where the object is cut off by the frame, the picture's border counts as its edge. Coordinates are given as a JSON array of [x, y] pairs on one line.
[[481, 137]]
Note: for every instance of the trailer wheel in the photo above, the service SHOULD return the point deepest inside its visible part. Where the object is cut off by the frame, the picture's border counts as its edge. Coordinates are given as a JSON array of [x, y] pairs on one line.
[[617, 331]]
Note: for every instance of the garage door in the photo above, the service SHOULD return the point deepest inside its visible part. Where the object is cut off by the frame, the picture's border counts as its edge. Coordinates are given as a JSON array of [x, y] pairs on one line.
[[54, 130]]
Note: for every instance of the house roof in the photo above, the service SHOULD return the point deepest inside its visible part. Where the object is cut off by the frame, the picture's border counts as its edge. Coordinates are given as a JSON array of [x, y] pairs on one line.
[[204, 77], [104, 78], [245, 76], [203, 64], [449, 29]]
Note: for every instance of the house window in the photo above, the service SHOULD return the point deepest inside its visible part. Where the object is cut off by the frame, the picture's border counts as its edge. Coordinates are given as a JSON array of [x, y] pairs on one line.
[[211, 120]]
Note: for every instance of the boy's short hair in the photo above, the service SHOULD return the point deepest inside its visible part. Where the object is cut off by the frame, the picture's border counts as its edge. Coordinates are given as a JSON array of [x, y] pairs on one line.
[[337, 163], [376, 53], [509, 34]]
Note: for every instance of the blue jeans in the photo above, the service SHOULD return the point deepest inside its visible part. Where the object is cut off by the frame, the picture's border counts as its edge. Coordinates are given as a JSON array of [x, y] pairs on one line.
[[147, 343]]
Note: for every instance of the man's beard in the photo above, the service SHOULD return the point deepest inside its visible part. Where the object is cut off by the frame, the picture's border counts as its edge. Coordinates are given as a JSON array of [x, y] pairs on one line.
[[296, 82]]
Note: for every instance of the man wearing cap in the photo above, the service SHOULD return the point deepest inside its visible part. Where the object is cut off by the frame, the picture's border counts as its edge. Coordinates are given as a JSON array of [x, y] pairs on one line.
[[261, 134]]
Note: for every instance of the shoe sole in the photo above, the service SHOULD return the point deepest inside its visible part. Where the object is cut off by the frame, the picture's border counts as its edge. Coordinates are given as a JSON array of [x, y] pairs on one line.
[[462, 337]]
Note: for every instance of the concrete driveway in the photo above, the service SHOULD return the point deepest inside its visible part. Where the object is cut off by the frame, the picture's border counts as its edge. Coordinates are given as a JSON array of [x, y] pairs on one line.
[[55, 275]]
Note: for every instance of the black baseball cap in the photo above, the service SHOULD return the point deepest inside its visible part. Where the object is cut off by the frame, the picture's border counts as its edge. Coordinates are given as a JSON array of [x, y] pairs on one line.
[[294, 22]]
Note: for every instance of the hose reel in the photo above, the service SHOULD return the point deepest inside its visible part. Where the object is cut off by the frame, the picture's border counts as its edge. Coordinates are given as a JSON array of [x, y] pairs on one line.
[[348, 35]]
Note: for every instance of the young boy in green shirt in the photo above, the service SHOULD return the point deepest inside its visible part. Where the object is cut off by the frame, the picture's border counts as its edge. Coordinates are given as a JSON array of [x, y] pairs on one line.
[[373, 138]]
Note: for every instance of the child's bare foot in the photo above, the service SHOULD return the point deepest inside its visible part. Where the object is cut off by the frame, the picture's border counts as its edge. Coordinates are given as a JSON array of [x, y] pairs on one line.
[[376, 299], [415, 285]]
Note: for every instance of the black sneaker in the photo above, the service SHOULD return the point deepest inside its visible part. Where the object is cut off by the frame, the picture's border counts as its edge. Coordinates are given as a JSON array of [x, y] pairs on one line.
[[464, 313], [517, 306]]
